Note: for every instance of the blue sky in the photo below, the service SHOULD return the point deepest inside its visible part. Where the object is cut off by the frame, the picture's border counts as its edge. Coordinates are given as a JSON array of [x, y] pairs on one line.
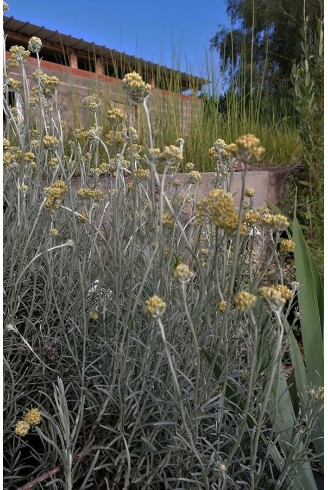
[[175, 33]]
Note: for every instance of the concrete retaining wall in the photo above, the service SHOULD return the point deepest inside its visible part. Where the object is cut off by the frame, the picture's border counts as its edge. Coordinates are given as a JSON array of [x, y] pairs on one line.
[[267, 184]]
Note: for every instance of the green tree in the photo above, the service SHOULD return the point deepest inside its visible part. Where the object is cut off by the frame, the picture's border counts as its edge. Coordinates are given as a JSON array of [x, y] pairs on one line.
[[265, 35]]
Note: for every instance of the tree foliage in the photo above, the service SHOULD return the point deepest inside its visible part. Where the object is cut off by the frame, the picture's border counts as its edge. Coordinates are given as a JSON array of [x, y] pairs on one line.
[[266, 35]]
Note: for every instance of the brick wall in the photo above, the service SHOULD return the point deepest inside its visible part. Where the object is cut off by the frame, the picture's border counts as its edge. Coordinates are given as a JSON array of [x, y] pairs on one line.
[[75, 84]]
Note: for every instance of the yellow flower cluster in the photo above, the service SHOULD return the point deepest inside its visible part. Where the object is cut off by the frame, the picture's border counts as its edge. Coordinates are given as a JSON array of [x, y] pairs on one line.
[[136, 151], [17, 55], [102, 168], [12, 157], [52, 162], [136, 89], [169, 155], [54, 194], [194, 177], [83, 217], [318, 394], [54, 232], [248, 146], [88, 193], [276, 222], [183, 273], [244, 301], [115, 116], [249, 192], [114, 137], [130, 133], [88, 135], [250, 217], [168, 219], [142, 173], [219, 208], [16, 85], [189, 166], [92, 102], [34, 44], [155, 306], [94, 317], [221, 150], [33, 417], [285, 292], [5, 144], [50, 141], [48, 84], [287, 246], [22, 428], [222, 306], [275, 296]]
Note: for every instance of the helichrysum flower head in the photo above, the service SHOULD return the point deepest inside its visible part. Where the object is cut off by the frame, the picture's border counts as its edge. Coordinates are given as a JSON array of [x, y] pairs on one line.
[[115, 117], [5, 144], [276, 222], [94, 317], [33, 416], [190, 166], [194, 177], [287, 246], [285, 292], [170, 155], [248, 147], [57, 188], [249, 192], [18, 55], [50, 141], [250, 217], [155, 306], [54, 194], [317, 394], [168, 219], [244, 301], [136, 89], [142, 174], [275, 296], [222, 306], [22, 427], [183, 273], [54, 232], [23, 188], [86, 193], [92, 102], [48, 83], [34, 44], [219, 208], [12, 157], [16, 85], [220, 151]]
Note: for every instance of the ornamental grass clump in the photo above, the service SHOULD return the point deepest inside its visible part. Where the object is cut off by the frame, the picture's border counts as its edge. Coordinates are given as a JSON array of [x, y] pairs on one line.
[[139, 319]]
